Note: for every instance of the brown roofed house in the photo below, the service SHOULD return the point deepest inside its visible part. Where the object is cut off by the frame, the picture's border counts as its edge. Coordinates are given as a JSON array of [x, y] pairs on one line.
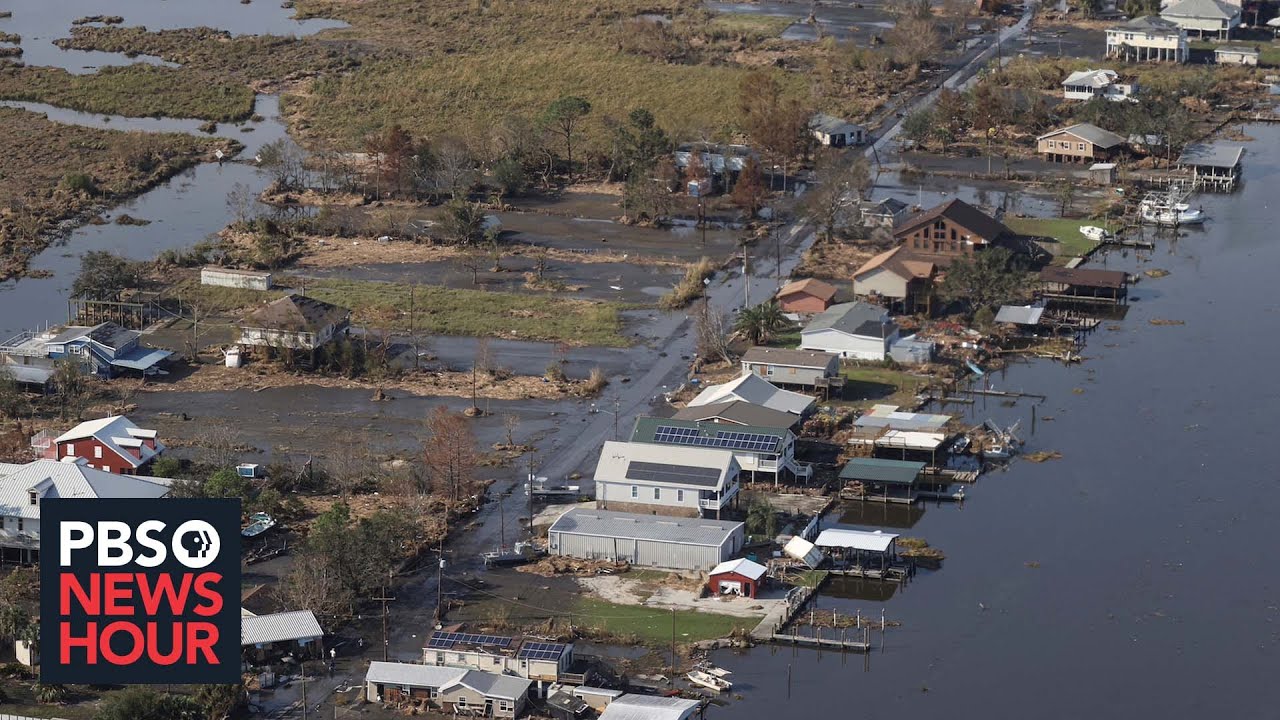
[[957, 229], [806, 296], [1080, 142], [295, 322], [898, 276]]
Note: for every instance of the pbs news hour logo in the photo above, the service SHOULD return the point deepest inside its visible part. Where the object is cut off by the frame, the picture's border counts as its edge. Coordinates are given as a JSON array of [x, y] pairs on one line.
[[140, 591]]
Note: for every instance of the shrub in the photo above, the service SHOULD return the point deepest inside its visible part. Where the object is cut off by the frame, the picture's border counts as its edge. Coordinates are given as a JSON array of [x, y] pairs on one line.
[[79, 182], [690, 287]]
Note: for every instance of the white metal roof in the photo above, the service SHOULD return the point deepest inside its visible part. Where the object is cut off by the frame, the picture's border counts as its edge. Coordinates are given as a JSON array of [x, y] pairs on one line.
[[1020, 314], [889, 416], [1094, 78], [413, 674], [648, 707], [279, 627], [616, 459], [741, 566], [632, 526], [804, 551], [756, 390], [108, 431], [56, 479], [911, 440], [876, 541]]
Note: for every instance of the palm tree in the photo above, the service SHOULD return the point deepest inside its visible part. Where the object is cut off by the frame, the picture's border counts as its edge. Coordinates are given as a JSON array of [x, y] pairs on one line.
[[759, 323]]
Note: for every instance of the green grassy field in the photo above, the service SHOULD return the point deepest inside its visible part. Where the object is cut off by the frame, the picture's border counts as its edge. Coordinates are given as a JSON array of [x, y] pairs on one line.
[[651, 626], [1066, 232], [869, 385], [448, 311], [134, 91]]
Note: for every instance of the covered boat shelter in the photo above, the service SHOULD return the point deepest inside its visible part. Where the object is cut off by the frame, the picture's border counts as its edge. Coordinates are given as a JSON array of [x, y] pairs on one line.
[[859, 550], [1212, 165], [884, 480], [1085, 285]]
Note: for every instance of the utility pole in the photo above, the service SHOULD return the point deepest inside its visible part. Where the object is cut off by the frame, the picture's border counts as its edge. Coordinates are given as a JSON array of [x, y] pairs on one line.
[[386, 637], [617, 408], [413, 330], [440, 585], [746, 292], [673, 641], [531, 495], [777, 245], [304, 689]]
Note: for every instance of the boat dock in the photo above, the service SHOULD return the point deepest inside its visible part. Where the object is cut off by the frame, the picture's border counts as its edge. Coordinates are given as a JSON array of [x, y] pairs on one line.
[[837, 643]]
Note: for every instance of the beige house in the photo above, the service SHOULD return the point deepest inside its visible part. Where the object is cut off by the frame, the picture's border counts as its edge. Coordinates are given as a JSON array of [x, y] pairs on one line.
[[896, 276], [1078, 143], [1205, 18], [295, 322], [1148, 39], [1236, 55], [452, 690]]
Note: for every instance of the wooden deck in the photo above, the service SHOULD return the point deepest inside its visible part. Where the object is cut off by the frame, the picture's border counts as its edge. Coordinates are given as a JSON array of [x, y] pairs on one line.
[[838, 643]]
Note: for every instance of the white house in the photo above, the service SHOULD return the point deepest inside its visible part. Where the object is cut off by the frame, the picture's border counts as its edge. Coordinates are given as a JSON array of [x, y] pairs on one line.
[[1089, 84], [1205, 18], [22, 487], [756, 390], [531, 658], [456, 691], [1148, 39], [835, 132], [295, 322], [851, 330], [664, 479]]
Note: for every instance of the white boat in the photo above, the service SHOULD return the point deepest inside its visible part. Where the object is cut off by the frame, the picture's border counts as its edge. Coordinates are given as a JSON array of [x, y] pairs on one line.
[[1170, 214], [998, 451], [709, 681], [1093, 232], [258, 524]]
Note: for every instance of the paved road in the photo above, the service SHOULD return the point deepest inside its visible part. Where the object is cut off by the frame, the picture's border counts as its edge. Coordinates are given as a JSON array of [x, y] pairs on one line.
[[961, 79]]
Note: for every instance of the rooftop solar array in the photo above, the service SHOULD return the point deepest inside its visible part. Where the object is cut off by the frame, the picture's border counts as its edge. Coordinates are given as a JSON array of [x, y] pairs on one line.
[[446, 640], [541, 651], [663, 473], [725, 439]]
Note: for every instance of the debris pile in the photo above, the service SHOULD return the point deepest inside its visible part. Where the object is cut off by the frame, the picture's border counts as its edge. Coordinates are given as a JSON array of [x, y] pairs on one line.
[[555, 565]]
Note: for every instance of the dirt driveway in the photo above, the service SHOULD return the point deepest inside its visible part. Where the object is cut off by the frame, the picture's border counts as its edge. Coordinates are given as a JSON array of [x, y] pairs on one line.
[[625, 591]]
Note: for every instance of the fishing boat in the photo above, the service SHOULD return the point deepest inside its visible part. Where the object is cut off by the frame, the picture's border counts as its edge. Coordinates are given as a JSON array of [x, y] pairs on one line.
[[708, 680], [1095, 233], [258, 524], [520, 554], [1169, 209]]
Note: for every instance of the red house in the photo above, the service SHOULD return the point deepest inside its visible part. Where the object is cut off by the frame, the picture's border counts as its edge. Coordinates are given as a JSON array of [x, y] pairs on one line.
[[806, 296], [737, 577], [113, 444]]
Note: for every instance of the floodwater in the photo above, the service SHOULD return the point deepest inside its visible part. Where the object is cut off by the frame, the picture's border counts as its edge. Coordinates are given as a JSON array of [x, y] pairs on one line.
[[1133, 577], [41, 23], [189, 207]]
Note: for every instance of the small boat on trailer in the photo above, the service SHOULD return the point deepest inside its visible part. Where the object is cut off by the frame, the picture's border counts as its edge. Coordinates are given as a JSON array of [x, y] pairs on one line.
[[710, 677], [258, 524]]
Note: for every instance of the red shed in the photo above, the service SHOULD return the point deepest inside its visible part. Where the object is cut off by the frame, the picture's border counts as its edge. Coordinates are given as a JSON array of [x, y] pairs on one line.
[[737, 577]]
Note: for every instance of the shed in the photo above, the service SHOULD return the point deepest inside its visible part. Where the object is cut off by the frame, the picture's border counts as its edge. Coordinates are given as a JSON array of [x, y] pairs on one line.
[[888, 416], [887, 480], [597, 697], [1103, 173], [836, 132], [296, 631], [1236, 55], [649, 707], [229, 277], [645, 540], [737, 577]]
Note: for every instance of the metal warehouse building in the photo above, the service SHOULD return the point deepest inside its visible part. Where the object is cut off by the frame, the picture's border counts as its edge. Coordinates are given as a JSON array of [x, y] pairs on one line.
[[645, 540]]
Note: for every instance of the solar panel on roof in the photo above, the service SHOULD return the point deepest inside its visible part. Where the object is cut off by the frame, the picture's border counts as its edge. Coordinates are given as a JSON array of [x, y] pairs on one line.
[[446, 640], [541, 650], [661, 472], [724, 439]]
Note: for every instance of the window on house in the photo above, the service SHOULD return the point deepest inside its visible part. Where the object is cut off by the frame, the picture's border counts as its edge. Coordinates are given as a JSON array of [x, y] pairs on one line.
[[462, 658], [20, 524], [439, 658], [462, 702], [953, 233], [405, 689], [97, 452], [635, 491], [71, 449], [1049, 144], [1080, 146], [680, 496], [657, 493], [33, 497]]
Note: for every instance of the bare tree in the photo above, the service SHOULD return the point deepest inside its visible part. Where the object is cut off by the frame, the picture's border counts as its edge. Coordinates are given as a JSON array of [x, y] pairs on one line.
[[484, 358], [241, 202], [510, 422], [449, 453], [712, 335], [455, 167], [839, 183]]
